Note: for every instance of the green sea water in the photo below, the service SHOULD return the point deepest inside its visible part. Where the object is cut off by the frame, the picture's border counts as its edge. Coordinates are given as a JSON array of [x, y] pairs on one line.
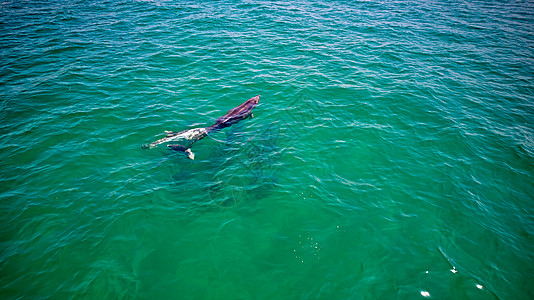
[[391, 155]]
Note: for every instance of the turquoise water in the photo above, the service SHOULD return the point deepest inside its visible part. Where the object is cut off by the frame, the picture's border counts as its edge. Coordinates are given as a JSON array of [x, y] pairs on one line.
[[391, 155]]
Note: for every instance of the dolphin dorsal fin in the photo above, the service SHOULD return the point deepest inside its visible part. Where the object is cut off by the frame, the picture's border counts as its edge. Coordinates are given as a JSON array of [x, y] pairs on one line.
[[170, 133]]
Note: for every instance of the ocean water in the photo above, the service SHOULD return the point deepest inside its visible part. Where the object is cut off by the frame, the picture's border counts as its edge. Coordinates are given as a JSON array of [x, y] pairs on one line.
[[391, 155]]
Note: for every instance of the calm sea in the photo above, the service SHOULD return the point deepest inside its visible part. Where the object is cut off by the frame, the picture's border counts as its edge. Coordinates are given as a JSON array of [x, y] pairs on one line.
[[391, 155]]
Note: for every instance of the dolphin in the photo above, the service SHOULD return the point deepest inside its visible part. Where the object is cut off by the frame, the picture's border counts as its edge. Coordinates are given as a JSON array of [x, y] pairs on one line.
[[188, 137], [237, 114]]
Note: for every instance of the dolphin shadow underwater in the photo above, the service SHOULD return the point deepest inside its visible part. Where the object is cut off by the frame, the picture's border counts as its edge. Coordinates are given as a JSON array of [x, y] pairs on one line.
[[246, 170], [187, 138]]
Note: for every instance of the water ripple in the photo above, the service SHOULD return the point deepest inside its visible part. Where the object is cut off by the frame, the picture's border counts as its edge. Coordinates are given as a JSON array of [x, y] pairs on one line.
[[391, 138]]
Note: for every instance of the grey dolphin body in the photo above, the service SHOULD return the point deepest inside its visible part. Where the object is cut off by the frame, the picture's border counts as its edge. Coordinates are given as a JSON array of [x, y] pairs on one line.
[[236, 114], [188, 137]]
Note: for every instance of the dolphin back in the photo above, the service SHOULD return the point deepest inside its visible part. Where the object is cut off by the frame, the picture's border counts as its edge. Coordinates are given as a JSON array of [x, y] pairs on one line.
[[238, 113]]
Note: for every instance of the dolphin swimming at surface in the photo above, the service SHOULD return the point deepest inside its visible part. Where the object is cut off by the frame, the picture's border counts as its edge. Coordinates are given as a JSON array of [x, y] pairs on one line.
[[190, 136]]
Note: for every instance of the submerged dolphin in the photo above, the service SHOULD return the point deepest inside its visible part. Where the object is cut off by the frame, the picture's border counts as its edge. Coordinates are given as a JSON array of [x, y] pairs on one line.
[[190, 136]]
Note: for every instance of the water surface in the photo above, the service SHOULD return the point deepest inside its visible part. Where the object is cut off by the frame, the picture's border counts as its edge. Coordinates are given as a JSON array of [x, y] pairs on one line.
[[391, 155]]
